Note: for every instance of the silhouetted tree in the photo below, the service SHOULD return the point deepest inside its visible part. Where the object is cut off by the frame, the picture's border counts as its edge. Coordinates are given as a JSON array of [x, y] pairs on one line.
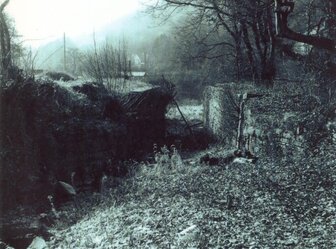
[[5, 44]]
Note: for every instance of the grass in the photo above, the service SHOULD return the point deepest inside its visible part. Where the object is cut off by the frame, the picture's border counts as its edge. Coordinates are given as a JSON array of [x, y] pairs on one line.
[[198, 206], [191, 110]]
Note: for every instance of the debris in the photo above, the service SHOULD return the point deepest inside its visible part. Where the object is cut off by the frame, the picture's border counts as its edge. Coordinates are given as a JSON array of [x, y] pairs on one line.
[[206, 159]]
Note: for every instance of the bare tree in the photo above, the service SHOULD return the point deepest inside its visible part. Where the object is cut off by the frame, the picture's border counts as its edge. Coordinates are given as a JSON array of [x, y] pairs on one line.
[[5, 44], [242, 29], [27, 63], [255, 19], [107, 64]]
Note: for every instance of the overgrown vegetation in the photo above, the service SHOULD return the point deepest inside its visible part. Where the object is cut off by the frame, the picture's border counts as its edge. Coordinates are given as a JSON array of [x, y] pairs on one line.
[[108, 64], [49, 131]]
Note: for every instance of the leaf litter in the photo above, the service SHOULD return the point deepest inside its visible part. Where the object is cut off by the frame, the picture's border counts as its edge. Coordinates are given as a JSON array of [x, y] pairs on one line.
[[197, 206]]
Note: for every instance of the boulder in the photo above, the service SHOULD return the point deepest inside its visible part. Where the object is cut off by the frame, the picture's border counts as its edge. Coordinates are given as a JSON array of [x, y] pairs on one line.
[[38, 243]]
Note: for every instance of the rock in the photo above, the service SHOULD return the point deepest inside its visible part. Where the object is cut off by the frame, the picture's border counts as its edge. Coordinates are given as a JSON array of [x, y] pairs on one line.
[[18, 231], [67, 188], [63, 193], [5, 246], [38, 243], [242, 160], [189, 234]]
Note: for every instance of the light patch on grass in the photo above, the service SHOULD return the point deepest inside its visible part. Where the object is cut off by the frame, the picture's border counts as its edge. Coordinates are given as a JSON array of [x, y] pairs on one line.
[[190, 111], [115, 85]]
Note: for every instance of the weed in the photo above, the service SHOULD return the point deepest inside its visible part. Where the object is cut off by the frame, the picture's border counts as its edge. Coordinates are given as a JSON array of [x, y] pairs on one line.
[[53, 209]]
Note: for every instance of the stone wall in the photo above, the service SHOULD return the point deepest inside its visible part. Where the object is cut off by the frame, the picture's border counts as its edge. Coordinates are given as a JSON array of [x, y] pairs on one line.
[[274, 122], [221, 103]]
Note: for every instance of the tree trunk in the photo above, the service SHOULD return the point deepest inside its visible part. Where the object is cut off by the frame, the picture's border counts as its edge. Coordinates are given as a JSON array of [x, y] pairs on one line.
[[239, 60], [260, 50], [249, 51]]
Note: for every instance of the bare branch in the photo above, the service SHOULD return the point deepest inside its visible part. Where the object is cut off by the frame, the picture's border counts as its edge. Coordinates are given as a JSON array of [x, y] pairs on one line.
[[282, 12], [3, 5]]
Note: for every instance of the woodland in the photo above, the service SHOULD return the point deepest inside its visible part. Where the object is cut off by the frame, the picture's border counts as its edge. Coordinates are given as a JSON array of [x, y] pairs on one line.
[[217, 130]]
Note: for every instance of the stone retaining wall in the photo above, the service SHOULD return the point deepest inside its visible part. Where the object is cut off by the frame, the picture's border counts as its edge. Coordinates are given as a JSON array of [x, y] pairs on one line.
[[274, 122], [221, 103]]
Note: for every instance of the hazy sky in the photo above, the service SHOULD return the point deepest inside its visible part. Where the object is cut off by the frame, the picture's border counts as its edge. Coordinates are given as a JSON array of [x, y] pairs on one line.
[[49, 19]]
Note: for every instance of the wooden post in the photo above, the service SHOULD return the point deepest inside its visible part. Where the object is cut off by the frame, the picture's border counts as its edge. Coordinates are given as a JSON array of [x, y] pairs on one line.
[[249, 142], [240, 130], [64, 55]]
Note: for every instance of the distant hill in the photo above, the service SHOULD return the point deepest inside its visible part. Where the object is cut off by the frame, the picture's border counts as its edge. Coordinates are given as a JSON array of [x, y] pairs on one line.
[[137, 30]]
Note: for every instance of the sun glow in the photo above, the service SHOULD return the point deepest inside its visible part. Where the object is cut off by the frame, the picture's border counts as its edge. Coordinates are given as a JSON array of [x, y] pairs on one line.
[[47, 19]]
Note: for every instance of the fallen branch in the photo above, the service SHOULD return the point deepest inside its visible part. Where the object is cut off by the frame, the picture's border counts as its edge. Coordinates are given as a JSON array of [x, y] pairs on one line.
[[184, 119]]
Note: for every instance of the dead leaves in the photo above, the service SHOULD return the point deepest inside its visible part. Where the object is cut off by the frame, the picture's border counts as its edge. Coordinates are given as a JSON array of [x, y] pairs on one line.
[[260, 206]]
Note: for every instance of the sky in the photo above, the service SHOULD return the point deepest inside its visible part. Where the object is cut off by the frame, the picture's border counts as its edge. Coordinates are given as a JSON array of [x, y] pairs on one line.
[[40, 21]]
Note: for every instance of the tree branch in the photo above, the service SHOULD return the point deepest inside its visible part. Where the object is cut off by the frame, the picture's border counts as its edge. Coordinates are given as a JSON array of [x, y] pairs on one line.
[[3, 5], [282, 11], [319, 42]]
